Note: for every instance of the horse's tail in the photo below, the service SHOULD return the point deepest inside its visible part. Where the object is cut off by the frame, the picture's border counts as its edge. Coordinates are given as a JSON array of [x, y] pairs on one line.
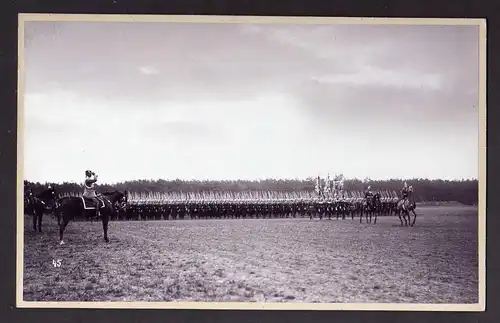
[[57, 210], [60, 205]]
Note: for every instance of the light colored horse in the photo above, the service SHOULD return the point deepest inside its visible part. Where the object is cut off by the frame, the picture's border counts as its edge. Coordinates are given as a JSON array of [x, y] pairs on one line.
[[404, 207]]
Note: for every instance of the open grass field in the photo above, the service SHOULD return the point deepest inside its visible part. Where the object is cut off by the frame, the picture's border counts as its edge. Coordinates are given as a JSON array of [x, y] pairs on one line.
[[272, 260]]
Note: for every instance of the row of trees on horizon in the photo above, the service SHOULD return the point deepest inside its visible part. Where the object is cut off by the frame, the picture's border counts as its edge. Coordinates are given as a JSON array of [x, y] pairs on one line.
[[425, 190]]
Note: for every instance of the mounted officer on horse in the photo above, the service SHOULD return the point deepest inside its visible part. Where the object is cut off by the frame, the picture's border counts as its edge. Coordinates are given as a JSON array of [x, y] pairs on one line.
[[37, 205], [371, 205], [104, 206], [406, 204], [405, 193], [368, 196]]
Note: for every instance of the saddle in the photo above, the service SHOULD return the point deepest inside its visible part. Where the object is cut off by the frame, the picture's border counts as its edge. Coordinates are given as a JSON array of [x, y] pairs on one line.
[[89, 204]]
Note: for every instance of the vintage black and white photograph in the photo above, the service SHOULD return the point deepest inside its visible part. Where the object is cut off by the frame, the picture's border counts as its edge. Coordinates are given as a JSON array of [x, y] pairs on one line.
[[251, 161]]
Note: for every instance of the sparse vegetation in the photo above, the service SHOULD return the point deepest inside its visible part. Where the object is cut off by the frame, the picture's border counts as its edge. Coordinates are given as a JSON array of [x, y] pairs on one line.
[[273, 260]]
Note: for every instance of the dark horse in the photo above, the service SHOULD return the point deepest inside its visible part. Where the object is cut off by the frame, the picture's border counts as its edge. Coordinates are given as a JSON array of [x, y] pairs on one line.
[[371, 207], [28, 201], [40, 204], [70, 207]]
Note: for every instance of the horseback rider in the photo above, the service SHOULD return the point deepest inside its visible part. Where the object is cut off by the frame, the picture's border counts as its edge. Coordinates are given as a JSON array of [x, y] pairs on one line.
[[368, 192], [405, 191], [404, 195], [369, 195], [89, 189], [28, 196], [52, 190]]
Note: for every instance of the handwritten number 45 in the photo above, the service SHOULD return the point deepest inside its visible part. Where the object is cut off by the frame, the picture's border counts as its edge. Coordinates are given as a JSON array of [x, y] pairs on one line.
[[56, 263]]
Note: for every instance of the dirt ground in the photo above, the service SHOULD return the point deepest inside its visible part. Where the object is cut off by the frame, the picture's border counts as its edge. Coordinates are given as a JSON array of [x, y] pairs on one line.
[[272, 260]]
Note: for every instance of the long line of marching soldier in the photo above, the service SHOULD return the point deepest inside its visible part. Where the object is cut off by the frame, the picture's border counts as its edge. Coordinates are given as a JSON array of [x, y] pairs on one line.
[[351, 205], [322, 208], [327, 201]]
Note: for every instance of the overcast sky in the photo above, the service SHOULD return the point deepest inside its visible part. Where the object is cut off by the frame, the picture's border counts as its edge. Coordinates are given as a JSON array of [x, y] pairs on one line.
[[228, 101]]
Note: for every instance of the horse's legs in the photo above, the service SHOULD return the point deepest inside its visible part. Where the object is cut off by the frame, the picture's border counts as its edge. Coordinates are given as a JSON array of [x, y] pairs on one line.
[[35, 216], [62, 226], [400, 219], [105, 221], [40, 222], [414, 217], [375, 220]]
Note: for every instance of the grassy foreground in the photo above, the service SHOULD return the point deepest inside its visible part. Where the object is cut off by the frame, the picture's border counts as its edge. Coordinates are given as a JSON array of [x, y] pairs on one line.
[[272, 260]]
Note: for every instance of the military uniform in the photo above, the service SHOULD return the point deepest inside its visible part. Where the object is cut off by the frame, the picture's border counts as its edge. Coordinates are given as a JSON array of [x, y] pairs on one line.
[[404, 193], [90, 191]]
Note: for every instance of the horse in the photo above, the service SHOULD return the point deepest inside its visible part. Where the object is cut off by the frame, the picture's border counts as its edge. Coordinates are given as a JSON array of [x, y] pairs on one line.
[[118, 206], [70, 207], [405, 206], [371, 206], [40, 204]]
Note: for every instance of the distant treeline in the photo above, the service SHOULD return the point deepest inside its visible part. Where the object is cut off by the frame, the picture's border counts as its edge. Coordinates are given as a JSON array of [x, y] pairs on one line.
[[463, 191]]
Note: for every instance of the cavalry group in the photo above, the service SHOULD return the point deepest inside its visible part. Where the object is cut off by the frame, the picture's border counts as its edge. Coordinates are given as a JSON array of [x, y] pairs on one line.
[[126, 206]]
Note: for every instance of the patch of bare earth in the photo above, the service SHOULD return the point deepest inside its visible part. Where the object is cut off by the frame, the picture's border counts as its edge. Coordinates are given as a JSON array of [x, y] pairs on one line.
[[277, 260]]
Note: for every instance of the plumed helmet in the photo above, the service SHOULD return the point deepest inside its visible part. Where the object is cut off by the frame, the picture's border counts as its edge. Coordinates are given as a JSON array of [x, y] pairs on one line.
[[369, 187], [405, 184]]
